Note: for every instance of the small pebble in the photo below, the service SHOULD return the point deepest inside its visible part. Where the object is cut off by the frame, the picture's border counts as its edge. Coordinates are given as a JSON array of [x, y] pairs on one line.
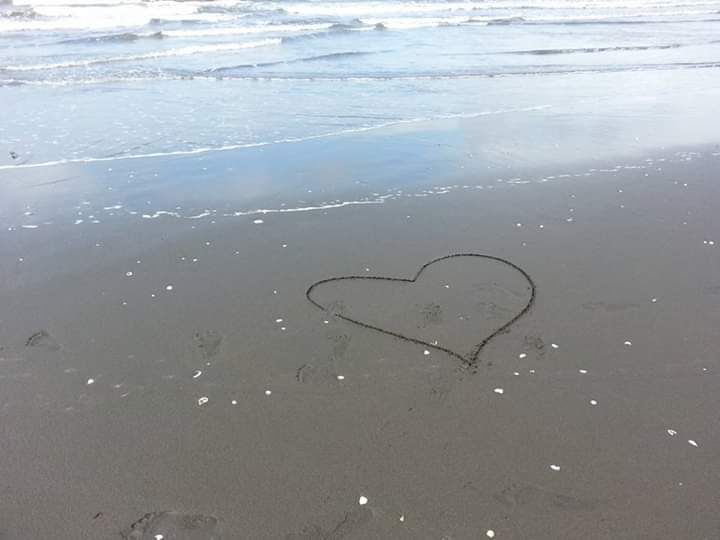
[[555, 467], [169, 287], [91, 381], [554, 345], [258, 221], [426, 352], [203, 400], [499, 391], [362, 500], [671, 432], [341, 377], [593, 402], [583, 371], [268, 392], [490, 533], [522, 355], [628, 343], [692, 443], [129, 274]]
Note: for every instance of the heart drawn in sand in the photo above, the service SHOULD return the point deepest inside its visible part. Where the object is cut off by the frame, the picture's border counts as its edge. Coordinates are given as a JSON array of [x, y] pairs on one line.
[[469, 359]]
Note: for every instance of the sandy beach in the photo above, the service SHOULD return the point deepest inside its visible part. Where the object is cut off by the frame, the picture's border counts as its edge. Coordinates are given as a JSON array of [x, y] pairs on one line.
[[359, 270], [167, 375]]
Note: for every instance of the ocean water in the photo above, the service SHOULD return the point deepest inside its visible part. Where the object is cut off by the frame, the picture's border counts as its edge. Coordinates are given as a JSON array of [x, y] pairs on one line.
[[87, 80]]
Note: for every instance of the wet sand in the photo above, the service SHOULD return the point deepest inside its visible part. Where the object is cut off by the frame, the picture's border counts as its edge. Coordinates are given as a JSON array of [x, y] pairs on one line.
[[174, 366]]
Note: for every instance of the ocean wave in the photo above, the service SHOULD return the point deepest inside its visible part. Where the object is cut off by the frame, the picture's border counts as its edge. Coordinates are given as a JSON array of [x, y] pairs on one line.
[[500, 22], [544, 52], [11, 82], [433, 76], [316, 58], [333, 31], [289, 140], [182, 51], [18, 12], [221, 74], [615, 20], [114, 38], [246, 30]]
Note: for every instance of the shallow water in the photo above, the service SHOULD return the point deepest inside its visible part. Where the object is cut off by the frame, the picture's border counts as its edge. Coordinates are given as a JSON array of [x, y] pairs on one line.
[[106, 80]]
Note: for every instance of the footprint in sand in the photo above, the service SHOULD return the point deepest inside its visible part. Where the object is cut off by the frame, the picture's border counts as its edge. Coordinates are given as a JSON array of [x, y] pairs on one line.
[[324, 371], [531, 495], [173, 526], [316, 374], [440, 386], [340, 344], [609, 306], [43, 340], [352, 522], [208, 343], [535, 343], [430, 314]]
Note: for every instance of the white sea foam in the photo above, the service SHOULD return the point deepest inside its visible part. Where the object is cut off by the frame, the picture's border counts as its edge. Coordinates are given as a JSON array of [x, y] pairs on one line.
[[246, 30], [181, 51], [264, 211], [289, 140]]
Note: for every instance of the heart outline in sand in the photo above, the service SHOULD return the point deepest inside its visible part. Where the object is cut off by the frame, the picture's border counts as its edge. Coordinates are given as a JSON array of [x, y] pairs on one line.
[[468, 360]]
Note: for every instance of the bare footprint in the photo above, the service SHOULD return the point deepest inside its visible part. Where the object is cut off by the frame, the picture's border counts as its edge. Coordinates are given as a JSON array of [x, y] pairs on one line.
[[208, 343], [712, 289], [173, 526], [316, 374], [492, 310], [531, 495], [440, 386], [340, 344], [351, 522], [430, 313], [44, 340], [609, 307], [535, 343]]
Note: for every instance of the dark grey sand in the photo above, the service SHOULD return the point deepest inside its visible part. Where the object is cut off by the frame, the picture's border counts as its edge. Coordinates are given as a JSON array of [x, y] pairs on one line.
[[230, 407]]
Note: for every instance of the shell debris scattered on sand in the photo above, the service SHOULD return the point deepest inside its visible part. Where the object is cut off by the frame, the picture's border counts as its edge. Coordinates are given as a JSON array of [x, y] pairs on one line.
[[203, 400]]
